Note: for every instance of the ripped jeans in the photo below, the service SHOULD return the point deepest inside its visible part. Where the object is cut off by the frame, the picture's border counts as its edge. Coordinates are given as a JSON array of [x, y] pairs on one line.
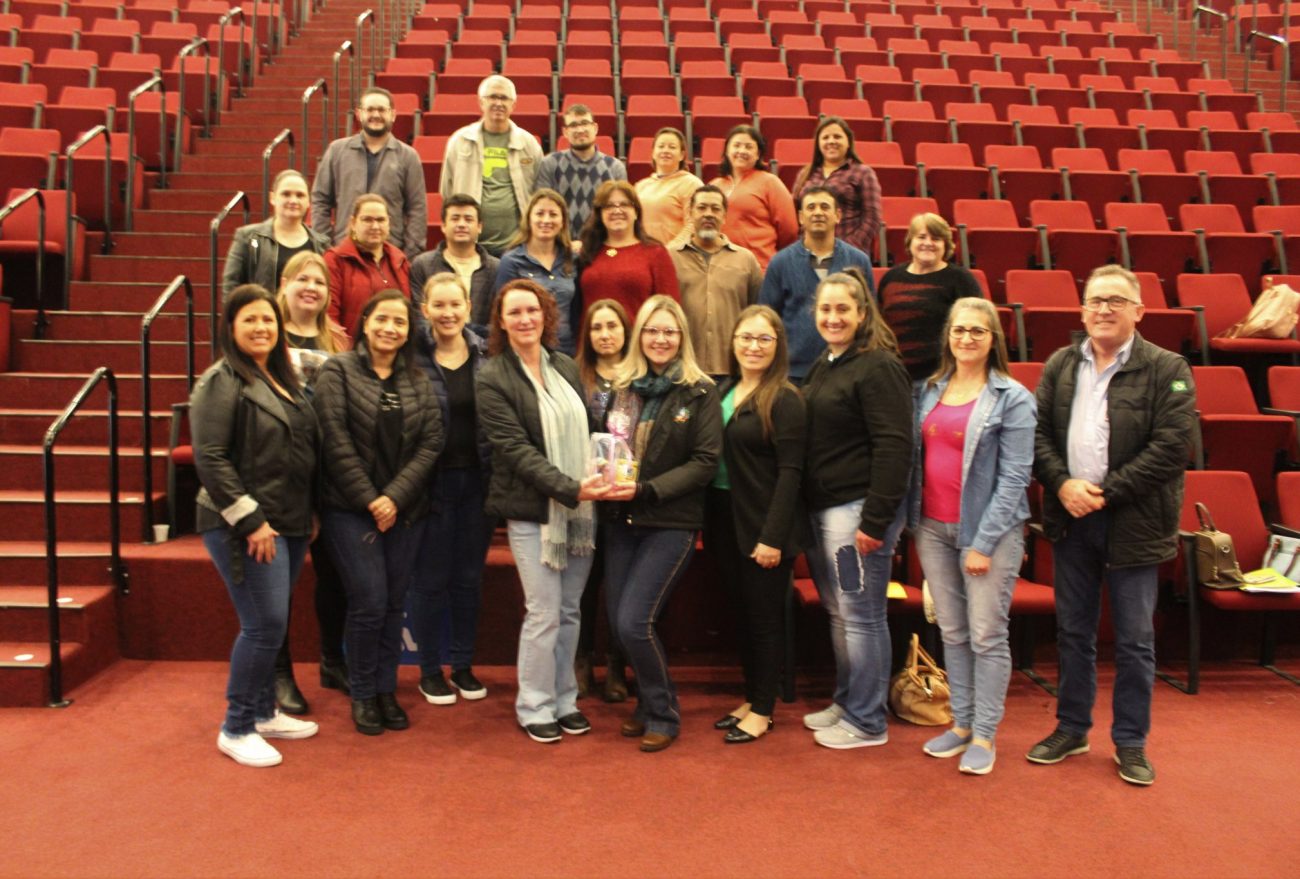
[[853, 590]]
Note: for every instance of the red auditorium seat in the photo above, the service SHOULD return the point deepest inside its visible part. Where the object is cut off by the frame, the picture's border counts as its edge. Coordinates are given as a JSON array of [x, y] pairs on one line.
[[80, 109], [1224, 244], [167, 38], [696, 46], [1283, 224], [1156, 182], [896, 213], [1087, 176], [23, 105], [1223, 182], [977, 126], [1288, 499], [537, 45], [1223, 300], [858, 113], [646, 77], [1041, 128], [965, 57], [480, 43], [15, 63], [1220, 94], [745, 47], [823, 82], [803, 49], [1280, 132], [1221, 131], [993, 241], [1018, 175], [1100, 129], [1069, 238], [426, 44], [1054, 90], [940, 86], [713, 116], [109, 35], [1168, 62], [413, 75], [880, 84], [30, 158], [1046, 309], [49, 32], [1234, 433], [18, 246], [1159, 130], [639, 45], [789, 157], [1148, 243], [886, 160], [646, 114], [947, 172], [785, 118], [1119, 61], [909, 123], [707, 78], [65, 67], [1284, 399], [531, 76], [1000, 89], [759, 78], [490, 17]]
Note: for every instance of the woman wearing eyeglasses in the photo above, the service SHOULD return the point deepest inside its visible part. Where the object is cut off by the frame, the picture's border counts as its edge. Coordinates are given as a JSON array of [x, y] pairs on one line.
[[754, 507], [667, 411], [619, 260], [967, 509], [915, 297]]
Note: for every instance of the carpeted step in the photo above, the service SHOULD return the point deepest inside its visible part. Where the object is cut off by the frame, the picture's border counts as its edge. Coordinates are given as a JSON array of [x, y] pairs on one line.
[[32, 355], [139, 297], [81, 515], [181, 222], [81, 563], [144, 269], [41, 390], [26, 427], [210, 200], [24, 611], [69, 326], [173, 243], [201, 164], [24, 671], [80, 467]]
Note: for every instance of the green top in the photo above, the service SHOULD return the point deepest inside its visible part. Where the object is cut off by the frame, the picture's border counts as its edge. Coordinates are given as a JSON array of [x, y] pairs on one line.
[[728, 410], [500, 211]]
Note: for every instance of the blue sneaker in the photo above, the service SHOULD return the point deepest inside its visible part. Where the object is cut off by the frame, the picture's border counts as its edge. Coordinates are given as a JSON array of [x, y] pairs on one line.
[[978, 760], [947, 745]]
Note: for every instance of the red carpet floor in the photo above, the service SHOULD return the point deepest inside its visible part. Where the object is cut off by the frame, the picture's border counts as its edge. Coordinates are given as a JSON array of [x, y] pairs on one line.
[[128, 783]]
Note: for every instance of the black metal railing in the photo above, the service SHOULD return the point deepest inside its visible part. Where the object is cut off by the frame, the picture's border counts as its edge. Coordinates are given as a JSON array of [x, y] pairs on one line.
[[317, 86], [146, 380], [154, 82], [285, 136], [213, 228], [41, 321], [117, 569], [68, 167]]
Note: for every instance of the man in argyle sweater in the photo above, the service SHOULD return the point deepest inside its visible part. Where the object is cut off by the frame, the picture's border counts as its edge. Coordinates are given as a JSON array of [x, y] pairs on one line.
[[576, 173]]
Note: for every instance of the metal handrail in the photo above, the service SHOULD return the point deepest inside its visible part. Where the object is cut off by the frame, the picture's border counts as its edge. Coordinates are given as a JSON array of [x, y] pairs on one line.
[[1286, 63], [368, 15], [154, 82], [354, 74], [1197, 12], [221, 46], [318, 86], [73, 148], [117, 569], [284, 135], [238, 198], [15, 204], [146, 380], [208, 115]]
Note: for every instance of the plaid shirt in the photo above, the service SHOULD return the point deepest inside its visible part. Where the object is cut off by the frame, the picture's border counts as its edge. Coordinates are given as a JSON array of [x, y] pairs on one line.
[[858, 190]]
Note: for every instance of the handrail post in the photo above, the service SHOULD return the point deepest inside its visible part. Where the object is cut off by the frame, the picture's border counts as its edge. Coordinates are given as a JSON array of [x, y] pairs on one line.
[[69, 164], [317, 86], [1197, 12], [146, 381], [153, 82], [221, 47], [1282, 41], [117, 570], [238, 198], [208, 116], [368, 15], [42, 323], [345, 46], [285, 135]]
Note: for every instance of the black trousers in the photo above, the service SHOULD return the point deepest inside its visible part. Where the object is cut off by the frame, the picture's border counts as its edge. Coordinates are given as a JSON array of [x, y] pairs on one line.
[[331, 610], [758, 596], [590, 607]]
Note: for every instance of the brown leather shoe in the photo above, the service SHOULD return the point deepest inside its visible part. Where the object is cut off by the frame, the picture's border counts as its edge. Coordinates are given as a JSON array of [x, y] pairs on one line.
[[655, 741], [632, 728]]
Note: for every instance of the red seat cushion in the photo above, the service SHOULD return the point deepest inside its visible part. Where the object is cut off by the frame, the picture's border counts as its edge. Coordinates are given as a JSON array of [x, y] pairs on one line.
[[183, 455], [1235, 599], [1033, 598]]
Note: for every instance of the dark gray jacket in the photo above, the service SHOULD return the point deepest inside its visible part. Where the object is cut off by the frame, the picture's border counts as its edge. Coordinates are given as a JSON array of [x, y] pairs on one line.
[[254, 254], [482, 282], [244, 455], [1151, 404], [341, 179], [346, 397]]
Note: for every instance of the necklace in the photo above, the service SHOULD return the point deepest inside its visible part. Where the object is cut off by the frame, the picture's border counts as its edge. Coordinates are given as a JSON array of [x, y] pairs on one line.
[[611, 252]]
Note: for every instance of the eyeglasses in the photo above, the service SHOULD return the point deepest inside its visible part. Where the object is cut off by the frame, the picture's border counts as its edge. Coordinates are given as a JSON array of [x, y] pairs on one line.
[[667, 333], [618, 206], [747, 339], [977, 334], [581, 123], [1116, 303]]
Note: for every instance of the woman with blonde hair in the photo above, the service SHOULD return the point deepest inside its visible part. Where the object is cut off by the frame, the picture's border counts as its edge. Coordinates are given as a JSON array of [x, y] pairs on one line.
[[668, 412], [542, 251]]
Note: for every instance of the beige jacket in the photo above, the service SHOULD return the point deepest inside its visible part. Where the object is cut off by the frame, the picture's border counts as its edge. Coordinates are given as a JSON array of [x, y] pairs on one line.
[[462, 168]]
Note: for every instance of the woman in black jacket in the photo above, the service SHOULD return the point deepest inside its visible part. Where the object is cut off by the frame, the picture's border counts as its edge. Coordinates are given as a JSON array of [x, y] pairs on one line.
[[260, 253], [755, 508], [859, 400], [667, 411], [255, 438], [382, 434], [531, 406]]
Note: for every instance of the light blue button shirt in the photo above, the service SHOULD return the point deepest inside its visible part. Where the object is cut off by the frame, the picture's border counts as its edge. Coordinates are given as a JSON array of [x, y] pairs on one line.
[[1089, 439]]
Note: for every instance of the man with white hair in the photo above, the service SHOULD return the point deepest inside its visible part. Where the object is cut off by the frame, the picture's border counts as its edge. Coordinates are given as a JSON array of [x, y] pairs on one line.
[[494, 161]]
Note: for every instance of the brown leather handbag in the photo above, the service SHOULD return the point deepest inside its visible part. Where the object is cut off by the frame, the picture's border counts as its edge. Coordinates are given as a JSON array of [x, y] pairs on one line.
[[919, 693], [1216, 557]]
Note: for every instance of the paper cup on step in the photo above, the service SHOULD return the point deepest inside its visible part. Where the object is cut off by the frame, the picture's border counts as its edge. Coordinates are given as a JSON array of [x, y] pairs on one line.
[[160, 533]]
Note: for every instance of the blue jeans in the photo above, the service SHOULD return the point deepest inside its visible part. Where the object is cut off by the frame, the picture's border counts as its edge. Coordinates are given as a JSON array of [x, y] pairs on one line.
[[1079, 558], [974, 614], [548, 638], [260, 592], [376, 570], [853, 589], [449, 570], [642, 565]]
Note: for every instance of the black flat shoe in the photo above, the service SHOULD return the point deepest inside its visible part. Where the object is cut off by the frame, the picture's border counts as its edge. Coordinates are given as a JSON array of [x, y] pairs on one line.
[[737, 736], [365, 716], [334, 676], [391, 714], [288, 696], [728, 721]]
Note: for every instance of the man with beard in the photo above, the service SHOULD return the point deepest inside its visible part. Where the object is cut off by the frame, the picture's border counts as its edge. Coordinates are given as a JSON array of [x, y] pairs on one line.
[[460, 253], [717, 279], [372, 161], [494, 162], [576, 172], [795, 272]]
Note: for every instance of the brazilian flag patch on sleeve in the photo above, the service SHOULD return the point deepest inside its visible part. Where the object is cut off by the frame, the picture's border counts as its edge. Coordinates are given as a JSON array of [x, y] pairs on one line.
[[1178, 385]]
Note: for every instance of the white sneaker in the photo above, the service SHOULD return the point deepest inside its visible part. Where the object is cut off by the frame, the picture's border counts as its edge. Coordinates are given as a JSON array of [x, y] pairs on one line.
[[823, 719], [250, 750], [841, 738], [284, 726]]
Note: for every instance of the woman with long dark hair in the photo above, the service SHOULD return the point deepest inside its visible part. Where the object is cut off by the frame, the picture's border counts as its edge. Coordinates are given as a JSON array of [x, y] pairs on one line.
[[255, 439], [836, 166], [859, 455], [542, 251], [755, 508], [619, 260], [532, 409], [760, 211], [382, 432], [975, 428]]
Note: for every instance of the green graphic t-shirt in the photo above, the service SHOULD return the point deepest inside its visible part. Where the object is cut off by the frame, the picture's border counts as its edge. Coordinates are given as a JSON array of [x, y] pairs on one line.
[[500, 209]]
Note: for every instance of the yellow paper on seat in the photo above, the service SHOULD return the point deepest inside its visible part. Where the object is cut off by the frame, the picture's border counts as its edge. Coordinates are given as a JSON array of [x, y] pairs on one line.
[[896, 590]]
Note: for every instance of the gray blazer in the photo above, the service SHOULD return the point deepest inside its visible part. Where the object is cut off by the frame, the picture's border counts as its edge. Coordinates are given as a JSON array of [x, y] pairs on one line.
[[399, 179]]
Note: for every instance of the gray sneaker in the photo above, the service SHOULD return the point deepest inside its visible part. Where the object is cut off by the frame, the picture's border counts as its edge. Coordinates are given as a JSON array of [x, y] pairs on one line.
[[843, 738], [947, 745], [1134, 767], [823, 719], [1057, 747], [978, 760]]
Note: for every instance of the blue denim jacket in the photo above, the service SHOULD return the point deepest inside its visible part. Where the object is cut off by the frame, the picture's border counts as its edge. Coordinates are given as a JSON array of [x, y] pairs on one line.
[[996, 463]]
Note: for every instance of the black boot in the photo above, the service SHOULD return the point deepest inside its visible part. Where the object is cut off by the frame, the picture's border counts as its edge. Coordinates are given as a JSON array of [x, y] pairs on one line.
[[334, 675], [287, 694], [365, 716], [390, 713]]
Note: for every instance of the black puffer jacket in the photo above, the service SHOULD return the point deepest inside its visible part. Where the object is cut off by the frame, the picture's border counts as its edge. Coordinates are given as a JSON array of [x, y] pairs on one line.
[[347, 402], [251, 468], [1151, 404], [523, 479]]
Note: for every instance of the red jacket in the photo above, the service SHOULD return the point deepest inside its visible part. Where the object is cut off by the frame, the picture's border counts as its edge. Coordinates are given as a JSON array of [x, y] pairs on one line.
[[355, 277]]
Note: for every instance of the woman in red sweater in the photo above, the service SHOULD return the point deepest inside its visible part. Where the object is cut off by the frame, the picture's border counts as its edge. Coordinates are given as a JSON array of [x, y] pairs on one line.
[[619, 260], [760, 211]]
